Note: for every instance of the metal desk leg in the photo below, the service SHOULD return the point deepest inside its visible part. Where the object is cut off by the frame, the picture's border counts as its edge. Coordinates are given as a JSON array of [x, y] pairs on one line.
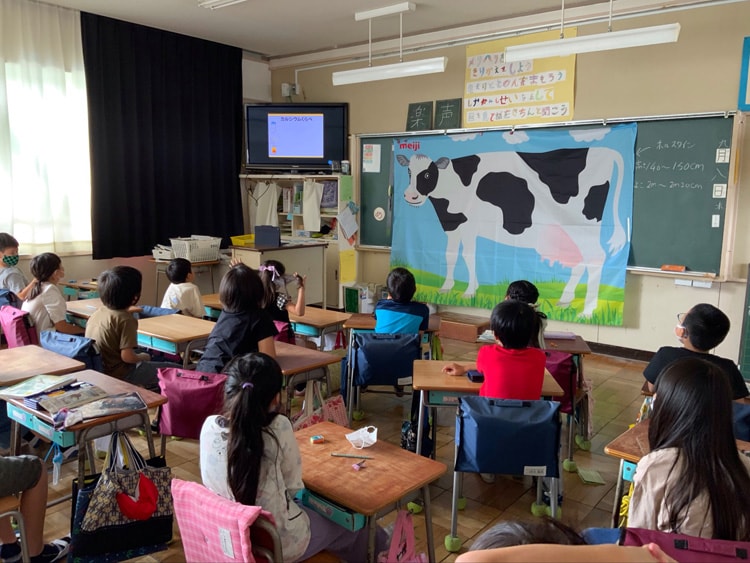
[[618, 496], [350, 378], [452, 541], [428, 524], [373, 527], [420, 420]]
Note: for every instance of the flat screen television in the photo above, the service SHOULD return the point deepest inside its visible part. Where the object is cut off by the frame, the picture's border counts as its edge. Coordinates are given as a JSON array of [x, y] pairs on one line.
[[296, 137]]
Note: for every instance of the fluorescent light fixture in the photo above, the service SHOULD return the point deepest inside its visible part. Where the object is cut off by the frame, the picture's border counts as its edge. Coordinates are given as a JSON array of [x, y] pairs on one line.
[[385, 11], [590, 43], [384, 72], [216, 4]]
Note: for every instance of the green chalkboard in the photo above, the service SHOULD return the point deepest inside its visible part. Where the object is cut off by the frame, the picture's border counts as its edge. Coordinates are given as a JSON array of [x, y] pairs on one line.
[[376, 191], [678, 216], [679, 197]]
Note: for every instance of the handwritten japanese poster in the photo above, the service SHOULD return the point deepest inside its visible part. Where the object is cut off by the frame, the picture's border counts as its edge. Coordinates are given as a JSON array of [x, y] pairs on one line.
[[531, 91]]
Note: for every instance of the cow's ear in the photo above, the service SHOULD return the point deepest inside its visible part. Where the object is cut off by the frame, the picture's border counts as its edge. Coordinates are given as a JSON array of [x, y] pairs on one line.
[[442, 162], [402, 160]]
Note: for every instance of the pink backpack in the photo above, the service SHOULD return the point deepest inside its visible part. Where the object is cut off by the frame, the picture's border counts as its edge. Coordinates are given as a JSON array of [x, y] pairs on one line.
[[563, 369], [17, 327], [193, 397]]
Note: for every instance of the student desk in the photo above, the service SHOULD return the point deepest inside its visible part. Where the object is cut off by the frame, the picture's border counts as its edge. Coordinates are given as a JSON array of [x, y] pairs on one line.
[[197, 268], [297, 364], [21, 363], [630, 447], [83, 433], [373, 491], [212, 305], [80, 310], [83, 289], [438, 389], [174, 334]]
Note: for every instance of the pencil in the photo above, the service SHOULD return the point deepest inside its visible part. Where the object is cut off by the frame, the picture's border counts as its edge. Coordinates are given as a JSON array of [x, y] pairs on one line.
[[334, 454]]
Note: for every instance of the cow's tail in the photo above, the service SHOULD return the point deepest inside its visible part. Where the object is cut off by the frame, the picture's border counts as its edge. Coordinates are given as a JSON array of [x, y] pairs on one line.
[[617, 240]]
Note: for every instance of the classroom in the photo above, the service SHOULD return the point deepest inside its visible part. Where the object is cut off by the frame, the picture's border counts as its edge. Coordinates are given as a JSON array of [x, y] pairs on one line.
[[700, 73]]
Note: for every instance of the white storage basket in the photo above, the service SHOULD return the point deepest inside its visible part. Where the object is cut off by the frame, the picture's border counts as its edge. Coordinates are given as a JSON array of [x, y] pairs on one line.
[[197, 248]]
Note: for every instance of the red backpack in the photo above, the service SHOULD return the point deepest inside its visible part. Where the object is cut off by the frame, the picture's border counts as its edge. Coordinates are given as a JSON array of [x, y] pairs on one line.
[[17, 327]]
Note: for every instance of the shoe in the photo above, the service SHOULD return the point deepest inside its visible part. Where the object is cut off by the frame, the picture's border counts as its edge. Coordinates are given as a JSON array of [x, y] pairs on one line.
[[399, 390], [53, 551], [10, 553], [488, 478]]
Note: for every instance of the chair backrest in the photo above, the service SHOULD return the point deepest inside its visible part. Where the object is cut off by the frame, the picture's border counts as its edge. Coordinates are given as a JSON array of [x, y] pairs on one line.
[[508, 437], [73, 346], [384, 359], [192, 397], [216, 529], [741, 416], [7, 297], [17, 327]]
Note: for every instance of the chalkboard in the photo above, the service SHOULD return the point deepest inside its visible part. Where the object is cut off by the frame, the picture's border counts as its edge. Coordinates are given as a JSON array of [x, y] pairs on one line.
[[677, 216], [678, 213], [376, 191]]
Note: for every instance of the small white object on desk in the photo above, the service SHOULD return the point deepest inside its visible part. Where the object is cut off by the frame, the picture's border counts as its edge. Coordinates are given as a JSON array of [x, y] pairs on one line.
[[559, 335], [487, 336]]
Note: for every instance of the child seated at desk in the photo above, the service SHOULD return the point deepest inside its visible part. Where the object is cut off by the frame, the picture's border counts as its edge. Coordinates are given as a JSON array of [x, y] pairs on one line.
[[277, 302], [512, 369], [182, 294], [526, 292], [27, 475], [45, 303], [250, 455], [243, 326], [115, 329], [11, 276], [694, 481], [699, 330]]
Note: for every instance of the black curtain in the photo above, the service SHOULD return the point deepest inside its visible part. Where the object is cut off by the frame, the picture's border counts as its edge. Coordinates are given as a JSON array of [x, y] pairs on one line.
[[165, 127]]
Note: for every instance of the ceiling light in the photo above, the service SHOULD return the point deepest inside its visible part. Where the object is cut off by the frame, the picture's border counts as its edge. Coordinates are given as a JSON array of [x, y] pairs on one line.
[[396, 70], [384, 72], [385, 11], [590, 43], [216, 4]]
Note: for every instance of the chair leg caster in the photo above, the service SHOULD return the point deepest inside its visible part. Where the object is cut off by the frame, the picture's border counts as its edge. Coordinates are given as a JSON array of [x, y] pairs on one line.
[[548, 512], [583, 443], [538, 509], [358, 415], [414, 507], [570, 466], [461, 504], [452, 544]]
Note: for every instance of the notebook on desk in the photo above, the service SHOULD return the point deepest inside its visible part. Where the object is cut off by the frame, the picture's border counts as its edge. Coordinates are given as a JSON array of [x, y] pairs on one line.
[[267, 236]]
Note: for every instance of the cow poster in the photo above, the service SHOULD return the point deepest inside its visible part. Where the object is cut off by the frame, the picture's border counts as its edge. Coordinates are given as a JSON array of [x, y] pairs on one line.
[[475, 211]]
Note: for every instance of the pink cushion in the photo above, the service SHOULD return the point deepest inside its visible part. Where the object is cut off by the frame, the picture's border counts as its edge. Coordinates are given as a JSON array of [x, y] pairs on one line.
[[213, 528]]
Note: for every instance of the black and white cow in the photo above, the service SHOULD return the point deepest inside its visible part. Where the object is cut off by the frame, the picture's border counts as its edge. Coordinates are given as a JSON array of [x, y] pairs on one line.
[[551, 202]]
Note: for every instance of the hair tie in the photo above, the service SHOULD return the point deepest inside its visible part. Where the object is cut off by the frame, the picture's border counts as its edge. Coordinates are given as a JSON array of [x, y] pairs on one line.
[[271, 269], [247, 385]]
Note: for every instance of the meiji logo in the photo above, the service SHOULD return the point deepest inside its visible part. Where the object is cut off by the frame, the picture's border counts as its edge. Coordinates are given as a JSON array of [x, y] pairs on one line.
[[414, 145]]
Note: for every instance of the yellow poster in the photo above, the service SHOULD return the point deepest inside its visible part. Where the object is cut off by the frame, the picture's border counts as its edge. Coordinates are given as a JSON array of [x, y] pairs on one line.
[[347, 266], [531, 91]]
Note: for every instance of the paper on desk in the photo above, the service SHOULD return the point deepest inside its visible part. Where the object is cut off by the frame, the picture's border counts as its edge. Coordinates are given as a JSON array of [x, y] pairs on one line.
[[347, 222], [487, 336], [312, 194]]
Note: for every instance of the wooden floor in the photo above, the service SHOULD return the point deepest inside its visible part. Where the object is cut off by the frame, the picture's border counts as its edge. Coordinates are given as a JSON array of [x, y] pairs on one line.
[[616, 384]]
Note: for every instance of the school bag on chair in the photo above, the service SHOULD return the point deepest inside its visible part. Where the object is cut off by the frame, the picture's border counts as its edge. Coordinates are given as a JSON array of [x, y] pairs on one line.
[[192, 397], [563, 369], [17, 327], [688, 549], [73, 346]]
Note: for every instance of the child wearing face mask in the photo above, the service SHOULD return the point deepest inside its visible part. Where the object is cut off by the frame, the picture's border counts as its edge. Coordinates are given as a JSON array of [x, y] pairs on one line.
[[699, 330], [11, 276]]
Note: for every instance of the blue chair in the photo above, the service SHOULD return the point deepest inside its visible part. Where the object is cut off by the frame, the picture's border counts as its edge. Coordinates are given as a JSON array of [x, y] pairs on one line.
[[507, 437], [741, 417], [380, 359]]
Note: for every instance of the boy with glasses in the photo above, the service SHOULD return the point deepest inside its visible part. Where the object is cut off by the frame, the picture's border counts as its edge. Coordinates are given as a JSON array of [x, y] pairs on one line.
[[699, 330]]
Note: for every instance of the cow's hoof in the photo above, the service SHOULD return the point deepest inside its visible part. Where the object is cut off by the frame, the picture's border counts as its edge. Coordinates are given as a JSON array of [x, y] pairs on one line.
[[468, 295], [563, 304]]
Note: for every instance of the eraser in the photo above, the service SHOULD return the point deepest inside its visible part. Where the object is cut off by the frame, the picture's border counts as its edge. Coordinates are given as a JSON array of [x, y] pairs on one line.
[[318, 439], [672, 268]]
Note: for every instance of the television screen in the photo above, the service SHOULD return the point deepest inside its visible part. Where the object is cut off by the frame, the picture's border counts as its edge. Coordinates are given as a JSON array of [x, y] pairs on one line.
[[296, 137]]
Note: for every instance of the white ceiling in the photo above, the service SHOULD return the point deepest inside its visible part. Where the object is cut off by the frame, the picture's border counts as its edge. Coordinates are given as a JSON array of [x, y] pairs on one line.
[[278, 29]]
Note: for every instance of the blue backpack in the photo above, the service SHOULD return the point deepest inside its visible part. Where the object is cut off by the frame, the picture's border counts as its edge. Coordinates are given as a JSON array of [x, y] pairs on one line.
[[73, 346], [7, 297]]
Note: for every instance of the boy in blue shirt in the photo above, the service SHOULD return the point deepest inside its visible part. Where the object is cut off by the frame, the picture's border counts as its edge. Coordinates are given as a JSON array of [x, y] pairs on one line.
[[399, 314]]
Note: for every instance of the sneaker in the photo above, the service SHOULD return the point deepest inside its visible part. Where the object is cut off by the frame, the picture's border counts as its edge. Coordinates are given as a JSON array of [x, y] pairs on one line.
[[488, 478], [10, 553], [53, 551]]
